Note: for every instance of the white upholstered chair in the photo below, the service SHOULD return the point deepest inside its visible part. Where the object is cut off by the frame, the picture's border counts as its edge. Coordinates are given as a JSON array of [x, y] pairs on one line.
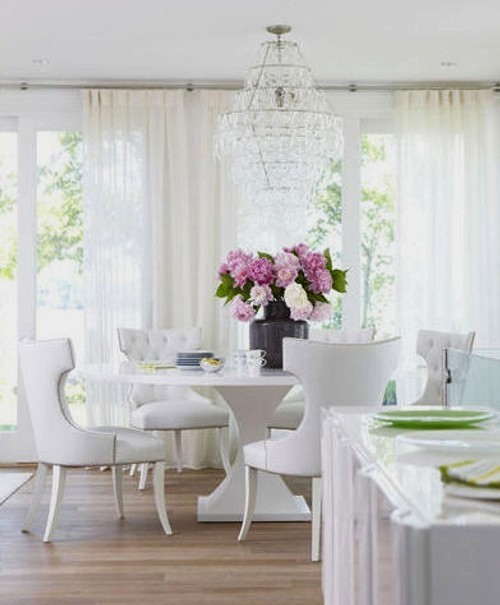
[[61, 443], [430, 345], [289, 414], [331, 375], [170, 408]]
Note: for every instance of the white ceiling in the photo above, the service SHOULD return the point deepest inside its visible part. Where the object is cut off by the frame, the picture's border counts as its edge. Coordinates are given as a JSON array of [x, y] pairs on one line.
[[203, 40]]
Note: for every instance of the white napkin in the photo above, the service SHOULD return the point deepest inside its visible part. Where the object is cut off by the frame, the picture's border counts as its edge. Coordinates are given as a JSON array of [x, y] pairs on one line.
[[475, 473]]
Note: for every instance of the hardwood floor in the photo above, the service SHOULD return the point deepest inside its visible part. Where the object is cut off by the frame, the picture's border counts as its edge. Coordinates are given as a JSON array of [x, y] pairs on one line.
[[98, 559]]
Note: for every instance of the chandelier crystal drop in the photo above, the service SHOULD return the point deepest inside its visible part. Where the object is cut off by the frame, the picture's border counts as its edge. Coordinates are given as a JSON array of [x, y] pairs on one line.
[[280, 135]]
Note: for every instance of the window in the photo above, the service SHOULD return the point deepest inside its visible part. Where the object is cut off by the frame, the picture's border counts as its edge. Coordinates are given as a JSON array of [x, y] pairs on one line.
[[40, 247], [378, 219], [354, 215], [8, 280], [59, 296], [324, 228]]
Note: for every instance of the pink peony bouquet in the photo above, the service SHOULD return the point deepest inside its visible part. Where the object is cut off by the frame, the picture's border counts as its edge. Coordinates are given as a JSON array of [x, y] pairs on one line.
[[298, 276]]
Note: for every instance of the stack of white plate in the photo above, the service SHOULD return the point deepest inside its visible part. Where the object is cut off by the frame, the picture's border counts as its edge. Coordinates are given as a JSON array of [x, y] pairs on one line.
[[190, 360]]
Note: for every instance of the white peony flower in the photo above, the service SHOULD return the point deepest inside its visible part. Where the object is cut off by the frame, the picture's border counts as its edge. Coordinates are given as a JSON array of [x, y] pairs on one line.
[[295, 296], [260, 295]]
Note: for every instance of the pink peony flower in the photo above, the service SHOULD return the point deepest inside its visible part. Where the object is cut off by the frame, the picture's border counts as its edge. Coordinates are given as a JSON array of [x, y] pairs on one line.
[[304, 312], [236, 258], [292, 275], [287, 266], [300, 250], [321, 281], [240, 310], [321, 312], [312, 262], [261, 270], [224, 268], [241, 274], [261, 295], [285, 276], [286, 259], [237, 265]]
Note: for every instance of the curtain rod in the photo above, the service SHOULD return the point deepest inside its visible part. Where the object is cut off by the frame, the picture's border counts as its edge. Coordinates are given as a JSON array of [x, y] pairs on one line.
[[191, 86]]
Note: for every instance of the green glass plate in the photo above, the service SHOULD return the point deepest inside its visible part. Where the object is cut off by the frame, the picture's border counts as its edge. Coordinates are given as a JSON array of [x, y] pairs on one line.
[[441, 418]]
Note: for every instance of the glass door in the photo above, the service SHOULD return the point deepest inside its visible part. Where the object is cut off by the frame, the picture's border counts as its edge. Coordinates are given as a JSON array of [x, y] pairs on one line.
[[41, 294], [59, 248], [8, 280], [16, 184]]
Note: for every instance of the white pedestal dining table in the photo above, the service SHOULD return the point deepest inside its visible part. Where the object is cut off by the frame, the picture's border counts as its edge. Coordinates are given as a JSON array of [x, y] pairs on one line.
[[252, 401]]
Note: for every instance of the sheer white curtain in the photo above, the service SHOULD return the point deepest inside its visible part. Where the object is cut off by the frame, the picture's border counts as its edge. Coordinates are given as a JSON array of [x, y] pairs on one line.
[[118, 129], [449, 250], [213, 216], [159, 217]]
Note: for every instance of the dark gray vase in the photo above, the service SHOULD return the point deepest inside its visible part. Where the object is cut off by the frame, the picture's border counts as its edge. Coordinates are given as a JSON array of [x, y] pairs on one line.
[[268, 333]]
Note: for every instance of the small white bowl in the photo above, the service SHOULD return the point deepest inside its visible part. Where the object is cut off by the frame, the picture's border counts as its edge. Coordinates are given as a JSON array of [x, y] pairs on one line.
[[211, 364]]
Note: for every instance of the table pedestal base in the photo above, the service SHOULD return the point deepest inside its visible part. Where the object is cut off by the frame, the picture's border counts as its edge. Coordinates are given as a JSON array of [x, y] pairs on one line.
[[253, 408], [275, 502]]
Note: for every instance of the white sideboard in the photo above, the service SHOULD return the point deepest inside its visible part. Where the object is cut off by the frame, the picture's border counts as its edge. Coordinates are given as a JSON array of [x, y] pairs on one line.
[[441, 550]]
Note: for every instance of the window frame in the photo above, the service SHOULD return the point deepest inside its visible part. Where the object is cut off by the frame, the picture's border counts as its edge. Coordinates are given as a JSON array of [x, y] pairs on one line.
[[27, 113], [366, 112]]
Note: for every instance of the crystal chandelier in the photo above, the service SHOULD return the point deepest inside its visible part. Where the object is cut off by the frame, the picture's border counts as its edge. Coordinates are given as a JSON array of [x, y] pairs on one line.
[[280, 135]]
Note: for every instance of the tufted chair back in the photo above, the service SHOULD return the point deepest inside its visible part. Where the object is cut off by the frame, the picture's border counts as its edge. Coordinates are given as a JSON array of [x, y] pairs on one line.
[[158, 345], [331, 375], [430, 345], [44, 366], [362, 335]]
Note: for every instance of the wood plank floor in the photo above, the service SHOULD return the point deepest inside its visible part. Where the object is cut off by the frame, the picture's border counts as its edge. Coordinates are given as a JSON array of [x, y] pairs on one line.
[[98, 559]]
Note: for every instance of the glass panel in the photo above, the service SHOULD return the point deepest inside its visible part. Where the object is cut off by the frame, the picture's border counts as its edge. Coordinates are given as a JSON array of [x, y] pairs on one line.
[[324, 229], [378, 219], [8, 280], [474, 380], [60, 247]]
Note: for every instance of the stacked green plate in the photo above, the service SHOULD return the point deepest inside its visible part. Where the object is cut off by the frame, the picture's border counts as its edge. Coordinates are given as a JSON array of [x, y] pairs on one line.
[[440, 418]]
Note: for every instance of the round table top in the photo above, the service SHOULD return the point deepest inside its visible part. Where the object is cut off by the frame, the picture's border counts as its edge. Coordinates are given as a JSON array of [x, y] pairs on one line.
[[130, 372]]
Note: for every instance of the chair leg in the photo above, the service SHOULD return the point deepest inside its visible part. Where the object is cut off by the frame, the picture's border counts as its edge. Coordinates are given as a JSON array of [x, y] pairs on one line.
[[316, 519], [118, 489], [133, 469], [178, 450], [58, 482], [250, 500], [41, 475], [223, 436], [159, 493], [144, 475]]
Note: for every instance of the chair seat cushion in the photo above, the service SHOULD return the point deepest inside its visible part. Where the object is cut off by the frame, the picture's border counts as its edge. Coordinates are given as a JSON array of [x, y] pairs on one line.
[[134, 446], [280, 456], [288, 415], [173, 414]]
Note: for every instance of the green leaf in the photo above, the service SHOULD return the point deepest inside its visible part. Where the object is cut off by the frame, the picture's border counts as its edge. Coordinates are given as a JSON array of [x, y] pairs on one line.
[[278, 292], [221, 291], [328, 257], [339, 279], [245, 291], [266, 255], [302, 280], [230, 296], [225, 287], [316, 297]]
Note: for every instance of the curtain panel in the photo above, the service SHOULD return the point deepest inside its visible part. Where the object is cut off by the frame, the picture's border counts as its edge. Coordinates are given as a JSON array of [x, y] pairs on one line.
[[449, 211], [158, 218]]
